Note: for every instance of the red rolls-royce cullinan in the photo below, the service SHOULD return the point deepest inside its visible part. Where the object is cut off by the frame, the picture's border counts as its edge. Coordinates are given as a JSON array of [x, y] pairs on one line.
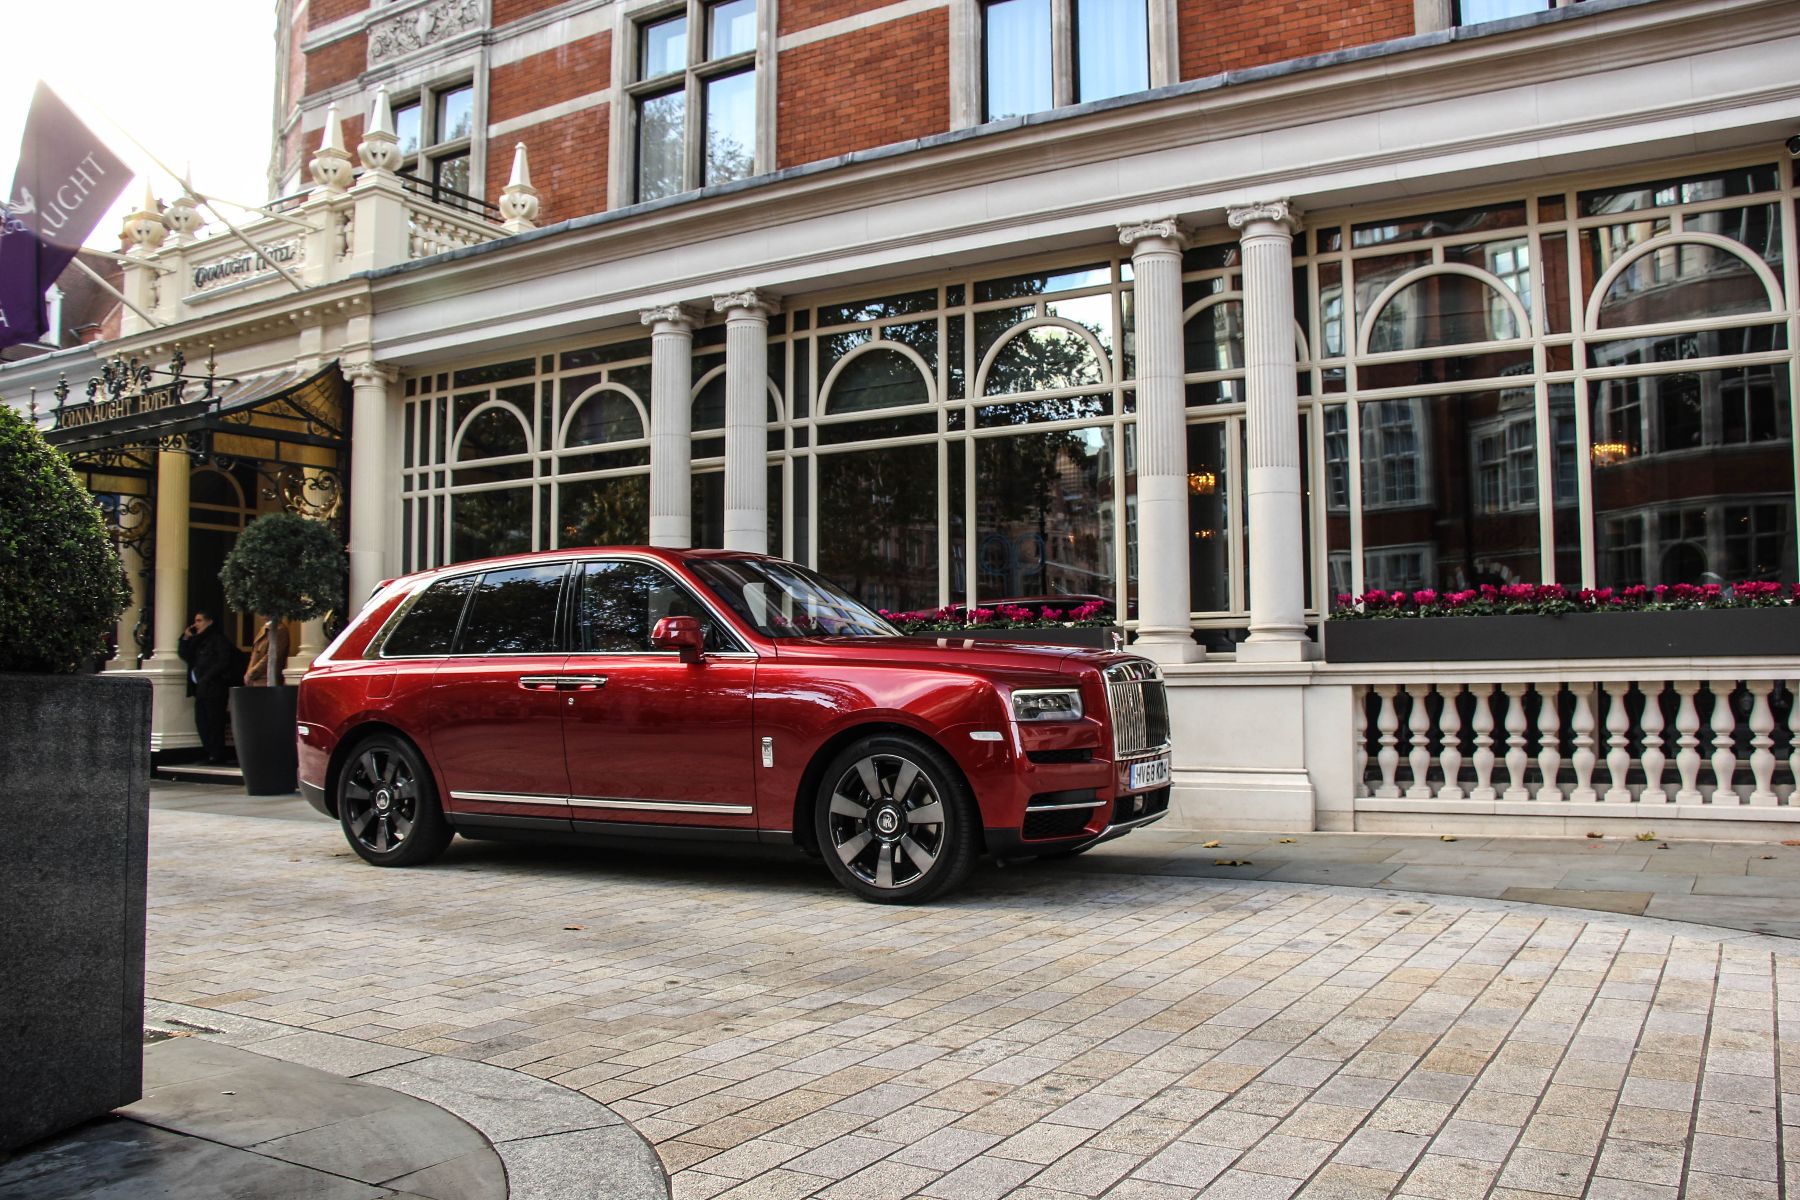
[[615, 693]]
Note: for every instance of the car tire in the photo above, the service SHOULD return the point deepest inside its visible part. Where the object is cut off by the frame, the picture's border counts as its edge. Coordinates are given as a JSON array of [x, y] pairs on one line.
[[895, 822], [388, 806]]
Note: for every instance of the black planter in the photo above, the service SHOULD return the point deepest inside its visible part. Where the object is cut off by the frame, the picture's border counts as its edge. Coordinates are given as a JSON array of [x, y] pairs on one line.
[[1686, 633], [262, 721], [1097, 637], [74, 808]]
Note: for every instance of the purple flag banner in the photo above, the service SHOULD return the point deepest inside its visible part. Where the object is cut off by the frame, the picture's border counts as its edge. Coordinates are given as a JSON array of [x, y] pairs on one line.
[[65, 181]]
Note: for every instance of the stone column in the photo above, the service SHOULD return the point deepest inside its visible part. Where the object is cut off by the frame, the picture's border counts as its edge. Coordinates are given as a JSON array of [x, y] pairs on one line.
[[374, 476], [1164, 632], [746, 419], [1276, 550], [171, 712], [671, 424]]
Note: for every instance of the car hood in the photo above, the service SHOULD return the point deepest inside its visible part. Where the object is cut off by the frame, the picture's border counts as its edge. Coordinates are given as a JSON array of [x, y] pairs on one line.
[[945, 650]]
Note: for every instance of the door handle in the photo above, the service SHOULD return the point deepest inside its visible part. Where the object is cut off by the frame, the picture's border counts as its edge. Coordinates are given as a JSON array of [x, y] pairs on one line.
[[581, 683], [540, 683]]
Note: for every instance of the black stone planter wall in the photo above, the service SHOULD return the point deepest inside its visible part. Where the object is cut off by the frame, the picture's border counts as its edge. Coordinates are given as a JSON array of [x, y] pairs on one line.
[[1687, 633], [262, 721], [74, 806]]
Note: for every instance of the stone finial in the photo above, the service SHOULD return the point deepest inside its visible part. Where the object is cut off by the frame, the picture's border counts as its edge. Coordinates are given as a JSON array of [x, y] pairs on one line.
[[379, 149], [331, 165], [518, 199], [144, 228], [183, 215], [1278, 212]]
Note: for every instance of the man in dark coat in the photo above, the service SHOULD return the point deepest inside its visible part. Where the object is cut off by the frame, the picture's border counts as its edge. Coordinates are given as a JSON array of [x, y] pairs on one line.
[[211, 661]]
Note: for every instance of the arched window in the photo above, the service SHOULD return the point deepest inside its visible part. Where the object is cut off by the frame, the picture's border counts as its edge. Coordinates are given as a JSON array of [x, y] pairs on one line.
[[495, 430], [605, 415], [1682, 278], [1450, 305], [877, 375], [1046, 355]]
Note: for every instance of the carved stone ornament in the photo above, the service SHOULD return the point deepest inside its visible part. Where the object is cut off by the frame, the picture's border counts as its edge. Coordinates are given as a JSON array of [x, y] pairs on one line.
[[673, 314], [760, 303], [421, 27], [366, 372], [1280, 212], [1169, 229]]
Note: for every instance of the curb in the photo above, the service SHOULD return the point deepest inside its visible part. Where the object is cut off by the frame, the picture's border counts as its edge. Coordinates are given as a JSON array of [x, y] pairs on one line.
[[555, 1143]]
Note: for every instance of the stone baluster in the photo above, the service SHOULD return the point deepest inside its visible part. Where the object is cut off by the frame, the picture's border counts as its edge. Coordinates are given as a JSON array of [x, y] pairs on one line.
[[1653, 757], [1762, 743], [1359, 721], [1483, 724], [1793, 742], [1516, 758], [1687, 757], [1388, 757], [1582, 722], [1419, 759], [1450, 730], [1549, 742], [1618, 755], [1724, 750]]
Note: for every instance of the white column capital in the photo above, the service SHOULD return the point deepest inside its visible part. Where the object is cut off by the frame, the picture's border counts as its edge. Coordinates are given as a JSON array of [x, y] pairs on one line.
[[1142, 236], [363, 372], [1282, 212], [671, 318], [747, 304]]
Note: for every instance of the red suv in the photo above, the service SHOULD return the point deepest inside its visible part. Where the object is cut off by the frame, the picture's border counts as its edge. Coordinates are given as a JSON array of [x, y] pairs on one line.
[[662, 694]]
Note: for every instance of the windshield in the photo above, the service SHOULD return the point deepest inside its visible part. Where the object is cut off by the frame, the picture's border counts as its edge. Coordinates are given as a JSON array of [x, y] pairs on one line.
[[782, 600]]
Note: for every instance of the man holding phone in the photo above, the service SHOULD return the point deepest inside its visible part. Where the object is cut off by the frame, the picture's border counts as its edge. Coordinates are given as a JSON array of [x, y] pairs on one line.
[[210, 659]]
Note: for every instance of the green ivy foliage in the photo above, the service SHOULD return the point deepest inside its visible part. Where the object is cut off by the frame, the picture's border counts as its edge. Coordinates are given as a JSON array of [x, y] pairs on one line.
[[61, 583], [287, 567]]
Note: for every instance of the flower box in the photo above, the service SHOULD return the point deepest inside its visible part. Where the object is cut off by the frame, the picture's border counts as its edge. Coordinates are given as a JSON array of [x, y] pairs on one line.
[[1681, 633]]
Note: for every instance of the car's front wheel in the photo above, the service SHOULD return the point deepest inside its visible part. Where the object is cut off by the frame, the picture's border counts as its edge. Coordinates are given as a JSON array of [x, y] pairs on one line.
[[388, 805], [894, 821]]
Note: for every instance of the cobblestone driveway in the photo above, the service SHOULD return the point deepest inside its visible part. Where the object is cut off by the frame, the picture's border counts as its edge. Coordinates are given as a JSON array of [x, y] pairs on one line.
[[1048, 1033]]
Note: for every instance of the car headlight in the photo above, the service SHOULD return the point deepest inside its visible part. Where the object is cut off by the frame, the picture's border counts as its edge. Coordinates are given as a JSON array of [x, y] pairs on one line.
[[1058, 704]]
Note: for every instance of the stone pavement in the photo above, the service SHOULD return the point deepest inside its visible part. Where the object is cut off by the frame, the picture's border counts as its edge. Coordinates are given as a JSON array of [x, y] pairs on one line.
[[1054, 1031]]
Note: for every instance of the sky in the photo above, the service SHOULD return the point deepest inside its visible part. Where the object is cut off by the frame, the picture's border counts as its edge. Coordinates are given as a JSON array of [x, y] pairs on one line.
[[193, 81]]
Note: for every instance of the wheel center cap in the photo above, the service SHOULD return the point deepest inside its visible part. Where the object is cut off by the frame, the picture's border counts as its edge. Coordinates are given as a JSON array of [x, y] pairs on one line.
[[887, 822], [383, 800]]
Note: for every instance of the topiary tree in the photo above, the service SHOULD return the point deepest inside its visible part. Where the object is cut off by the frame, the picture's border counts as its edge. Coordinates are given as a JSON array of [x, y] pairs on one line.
[[61, 583], [285, 568]]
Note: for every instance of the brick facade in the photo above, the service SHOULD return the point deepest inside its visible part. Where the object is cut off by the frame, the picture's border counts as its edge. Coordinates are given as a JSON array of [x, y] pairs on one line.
[[512, 10], [888, 83], [1223, 35], [568, 163], [339, 62], [804, 14], [320, 13], [569, 71]]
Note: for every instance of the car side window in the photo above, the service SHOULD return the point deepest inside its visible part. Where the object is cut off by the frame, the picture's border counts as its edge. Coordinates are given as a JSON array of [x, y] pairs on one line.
[[621, 603], [429, 627], [513, 611]]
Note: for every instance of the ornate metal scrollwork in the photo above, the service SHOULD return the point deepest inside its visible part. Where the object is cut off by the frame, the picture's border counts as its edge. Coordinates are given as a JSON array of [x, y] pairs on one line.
[[315, 493]]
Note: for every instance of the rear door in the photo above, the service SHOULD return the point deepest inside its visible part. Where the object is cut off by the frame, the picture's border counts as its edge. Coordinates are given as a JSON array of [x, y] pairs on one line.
[[651, 739], [497, 702]]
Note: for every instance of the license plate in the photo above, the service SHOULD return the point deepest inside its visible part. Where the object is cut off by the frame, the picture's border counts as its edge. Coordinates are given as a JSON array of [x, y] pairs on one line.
[[1150, 773]]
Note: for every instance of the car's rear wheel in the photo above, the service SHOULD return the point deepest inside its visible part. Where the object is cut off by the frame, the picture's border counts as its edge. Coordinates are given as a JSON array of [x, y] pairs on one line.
[[895, 822], [388, 805]]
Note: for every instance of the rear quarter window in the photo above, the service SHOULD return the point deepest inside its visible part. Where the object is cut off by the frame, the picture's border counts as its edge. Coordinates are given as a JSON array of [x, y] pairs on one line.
[[428, 629]]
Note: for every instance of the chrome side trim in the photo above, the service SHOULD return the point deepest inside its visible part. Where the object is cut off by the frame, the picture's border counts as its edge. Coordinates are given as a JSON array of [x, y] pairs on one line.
[[508, 798], [659, 806], [1038, 808]]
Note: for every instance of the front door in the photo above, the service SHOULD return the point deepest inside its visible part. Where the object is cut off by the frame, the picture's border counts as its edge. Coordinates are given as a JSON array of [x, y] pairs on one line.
[[497, 703], [651, 739]]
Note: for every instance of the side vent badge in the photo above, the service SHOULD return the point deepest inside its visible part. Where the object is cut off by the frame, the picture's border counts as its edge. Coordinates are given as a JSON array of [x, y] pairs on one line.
[[768, 752]]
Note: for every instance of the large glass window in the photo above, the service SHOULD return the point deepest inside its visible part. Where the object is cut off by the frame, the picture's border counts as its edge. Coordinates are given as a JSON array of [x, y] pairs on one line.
[[429, 626], [693, 99], [513, 612], [621, 602], [437, 132], [1025, 71]]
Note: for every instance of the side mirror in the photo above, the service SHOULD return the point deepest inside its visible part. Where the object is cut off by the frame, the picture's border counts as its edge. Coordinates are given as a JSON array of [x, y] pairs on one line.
[[679, 633]]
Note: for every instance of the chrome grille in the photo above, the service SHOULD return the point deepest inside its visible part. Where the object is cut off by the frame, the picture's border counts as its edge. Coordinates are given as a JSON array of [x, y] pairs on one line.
[[1139, 707]]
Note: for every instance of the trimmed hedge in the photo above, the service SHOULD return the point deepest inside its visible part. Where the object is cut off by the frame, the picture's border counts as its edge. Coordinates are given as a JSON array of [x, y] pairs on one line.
[[62, 586], [286, 567]]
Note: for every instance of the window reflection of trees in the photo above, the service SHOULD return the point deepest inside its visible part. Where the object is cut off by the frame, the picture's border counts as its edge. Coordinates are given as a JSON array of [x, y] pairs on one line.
[[513, 612]]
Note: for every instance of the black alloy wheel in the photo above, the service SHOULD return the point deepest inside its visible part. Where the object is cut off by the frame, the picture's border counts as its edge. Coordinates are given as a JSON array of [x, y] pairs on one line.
[[388, 804], [894, 821]]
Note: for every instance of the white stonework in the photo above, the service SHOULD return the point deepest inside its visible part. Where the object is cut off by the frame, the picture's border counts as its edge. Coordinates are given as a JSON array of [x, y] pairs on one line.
[[746, 420], [671, 423]]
